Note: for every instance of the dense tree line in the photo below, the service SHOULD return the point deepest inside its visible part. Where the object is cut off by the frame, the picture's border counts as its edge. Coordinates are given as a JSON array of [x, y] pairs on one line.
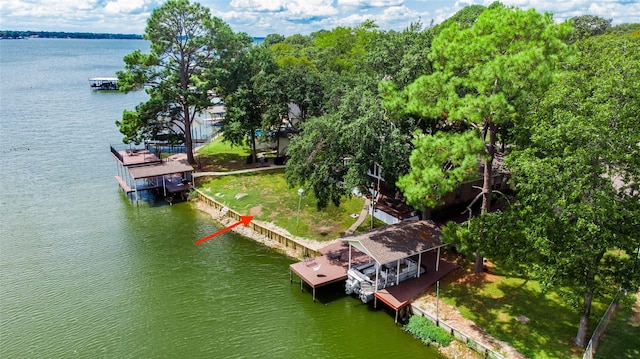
[[433, 106], [9, 34]]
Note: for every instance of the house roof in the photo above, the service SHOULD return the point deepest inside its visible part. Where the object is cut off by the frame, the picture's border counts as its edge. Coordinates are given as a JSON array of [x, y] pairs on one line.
[[397, 241], [160, 169]]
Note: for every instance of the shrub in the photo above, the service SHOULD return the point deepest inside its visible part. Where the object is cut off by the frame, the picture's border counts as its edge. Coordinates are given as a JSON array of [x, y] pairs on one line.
[[422, 328]]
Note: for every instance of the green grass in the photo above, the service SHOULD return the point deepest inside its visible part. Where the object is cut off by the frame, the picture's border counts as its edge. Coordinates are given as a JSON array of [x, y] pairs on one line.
[[266, 196], [221, 156], [622, 338], [496, 302]]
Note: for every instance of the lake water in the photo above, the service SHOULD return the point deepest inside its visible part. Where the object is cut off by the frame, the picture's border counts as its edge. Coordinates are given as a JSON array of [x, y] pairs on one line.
[[86, 273]]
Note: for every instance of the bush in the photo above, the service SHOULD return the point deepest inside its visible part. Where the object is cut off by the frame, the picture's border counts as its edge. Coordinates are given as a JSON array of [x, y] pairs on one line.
[[422, 328]]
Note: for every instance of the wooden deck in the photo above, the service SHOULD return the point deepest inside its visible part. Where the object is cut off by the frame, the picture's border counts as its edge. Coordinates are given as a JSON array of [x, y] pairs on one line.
[[135, 157], [332, 267], [401, 295], [329, 268]]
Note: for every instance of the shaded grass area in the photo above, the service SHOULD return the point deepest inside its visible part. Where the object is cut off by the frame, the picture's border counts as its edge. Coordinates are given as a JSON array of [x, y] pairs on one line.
[[267, 197], [220, 156], [516, 310], [622, 337]]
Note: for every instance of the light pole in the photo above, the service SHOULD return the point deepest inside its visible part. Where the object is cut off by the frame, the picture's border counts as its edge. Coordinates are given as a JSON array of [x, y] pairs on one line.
[[437, 301], [300, 192]]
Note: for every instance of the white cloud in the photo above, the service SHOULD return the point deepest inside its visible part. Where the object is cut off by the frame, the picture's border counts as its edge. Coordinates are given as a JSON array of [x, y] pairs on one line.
[[621, 11], [369, 3], [310, 9], [262, 17], [126, 6], [258, 5]]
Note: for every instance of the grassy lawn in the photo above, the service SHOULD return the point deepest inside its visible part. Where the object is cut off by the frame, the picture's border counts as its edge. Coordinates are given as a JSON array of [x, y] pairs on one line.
[[516, 310], [622, 338], [220, 156], [266, 196]]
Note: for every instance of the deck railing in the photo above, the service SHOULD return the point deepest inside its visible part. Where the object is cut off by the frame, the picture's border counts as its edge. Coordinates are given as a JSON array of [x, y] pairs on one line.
[[479, 347], [116, 154], [285, 240]]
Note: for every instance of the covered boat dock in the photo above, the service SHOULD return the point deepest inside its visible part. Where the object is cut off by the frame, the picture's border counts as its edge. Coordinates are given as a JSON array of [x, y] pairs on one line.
[[419, 240], [141, 170]]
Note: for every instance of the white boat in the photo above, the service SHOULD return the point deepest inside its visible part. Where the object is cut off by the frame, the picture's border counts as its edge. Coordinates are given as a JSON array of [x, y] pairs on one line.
[[365, 279], [104, 83]]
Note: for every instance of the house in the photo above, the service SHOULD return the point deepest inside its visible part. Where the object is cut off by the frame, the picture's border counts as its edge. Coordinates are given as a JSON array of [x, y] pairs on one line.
[[389, 205]]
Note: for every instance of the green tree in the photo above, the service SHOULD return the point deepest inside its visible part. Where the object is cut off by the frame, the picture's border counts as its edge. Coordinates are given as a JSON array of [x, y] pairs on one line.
[[589, 25], [399, 56], [488, 75], [439, 164], [577, 214], [187, 46], [248, 108], [334, 151], [295, 82]]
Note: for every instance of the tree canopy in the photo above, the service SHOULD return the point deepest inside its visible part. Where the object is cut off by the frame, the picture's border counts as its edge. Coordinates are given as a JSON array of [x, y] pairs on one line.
[[486, 75], [578, 210], [189, 53]]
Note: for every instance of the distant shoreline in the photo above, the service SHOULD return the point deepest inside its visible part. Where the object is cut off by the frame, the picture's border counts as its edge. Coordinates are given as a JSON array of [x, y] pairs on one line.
[[14, 34], [21, 35]]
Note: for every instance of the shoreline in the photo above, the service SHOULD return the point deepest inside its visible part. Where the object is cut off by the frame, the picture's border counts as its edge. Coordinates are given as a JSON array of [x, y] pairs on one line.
[[456, 349], [220, 217]]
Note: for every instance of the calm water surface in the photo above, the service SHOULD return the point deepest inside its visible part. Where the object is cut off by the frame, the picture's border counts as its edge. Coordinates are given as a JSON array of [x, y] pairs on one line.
[[85, 273]]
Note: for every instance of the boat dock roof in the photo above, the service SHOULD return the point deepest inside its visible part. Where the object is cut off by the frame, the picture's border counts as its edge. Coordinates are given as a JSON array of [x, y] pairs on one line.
[[386, 244], [160, 169], [103, 79], [397, 241]]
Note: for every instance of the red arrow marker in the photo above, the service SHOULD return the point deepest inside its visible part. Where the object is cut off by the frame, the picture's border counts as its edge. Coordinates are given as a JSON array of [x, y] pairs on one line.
[[243, 220]]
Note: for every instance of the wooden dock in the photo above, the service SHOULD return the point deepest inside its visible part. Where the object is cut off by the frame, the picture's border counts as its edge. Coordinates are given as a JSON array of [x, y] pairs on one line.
[[330, 267]]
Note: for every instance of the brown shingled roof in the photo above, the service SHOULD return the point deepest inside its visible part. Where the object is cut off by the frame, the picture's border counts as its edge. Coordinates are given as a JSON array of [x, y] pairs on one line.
[[397, 241]]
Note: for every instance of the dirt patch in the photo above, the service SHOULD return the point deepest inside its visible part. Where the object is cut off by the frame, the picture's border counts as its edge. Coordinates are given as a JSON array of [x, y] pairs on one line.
[[634, 320], [324, 230], [256, 211]]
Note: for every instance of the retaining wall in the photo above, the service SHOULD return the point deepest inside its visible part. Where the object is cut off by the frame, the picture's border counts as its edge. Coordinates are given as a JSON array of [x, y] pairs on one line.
[[284, 239]]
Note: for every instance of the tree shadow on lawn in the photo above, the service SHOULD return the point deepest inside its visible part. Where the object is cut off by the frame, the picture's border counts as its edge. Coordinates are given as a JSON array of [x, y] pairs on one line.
[[514, 310], [227, 162]]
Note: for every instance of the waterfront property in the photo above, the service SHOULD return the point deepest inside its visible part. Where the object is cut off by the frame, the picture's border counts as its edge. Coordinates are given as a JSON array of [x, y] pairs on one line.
[[387, 253], [140, 170]]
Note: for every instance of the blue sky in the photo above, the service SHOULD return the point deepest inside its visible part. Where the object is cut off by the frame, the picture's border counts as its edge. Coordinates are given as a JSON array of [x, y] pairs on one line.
[[286, 17]]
